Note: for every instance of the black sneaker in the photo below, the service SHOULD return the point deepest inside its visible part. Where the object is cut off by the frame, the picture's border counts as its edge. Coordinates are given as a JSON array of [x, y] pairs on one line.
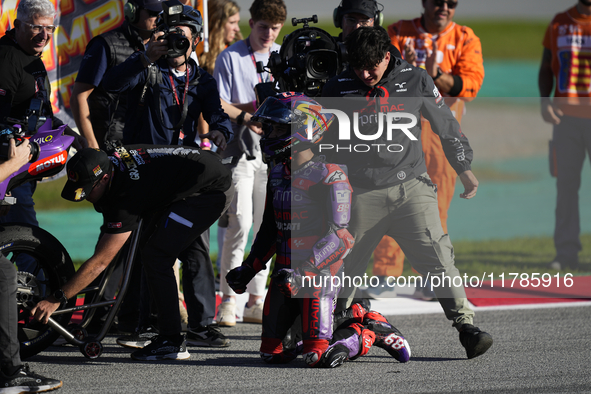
[[208, 336], [162, 348], [475, 341], [335, 356], [27, 381], [140, 339]]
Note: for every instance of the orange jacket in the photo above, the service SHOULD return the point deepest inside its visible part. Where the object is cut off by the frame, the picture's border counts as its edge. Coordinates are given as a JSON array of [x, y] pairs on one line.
[[568, 37], [459, 51]]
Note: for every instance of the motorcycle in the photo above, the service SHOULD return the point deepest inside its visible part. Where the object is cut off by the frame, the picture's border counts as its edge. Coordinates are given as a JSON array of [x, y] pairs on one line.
[[48, 263], [43, 263]]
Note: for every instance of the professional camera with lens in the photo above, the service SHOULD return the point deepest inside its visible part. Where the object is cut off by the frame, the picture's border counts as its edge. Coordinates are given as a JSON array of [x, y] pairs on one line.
[[308, 58], [174, 13], [10, 132], [16, 129], [177, 42]]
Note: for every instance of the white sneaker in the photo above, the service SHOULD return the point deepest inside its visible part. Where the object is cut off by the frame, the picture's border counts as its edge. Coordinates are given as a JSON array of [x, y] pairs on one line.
[[227, 314], [254, 314]]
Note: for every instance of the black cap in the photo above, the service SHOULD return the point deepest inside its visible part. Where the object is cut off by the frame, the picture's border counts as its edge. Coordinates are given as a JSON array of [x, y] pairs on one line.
[[152, 5], [365, 7], [84, 169]]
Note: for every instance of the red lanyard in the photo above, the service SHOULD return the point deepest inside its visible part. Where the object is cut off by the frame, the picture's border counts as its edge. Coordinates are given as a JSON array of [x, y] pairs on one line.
[[250, 51], [178, 102]]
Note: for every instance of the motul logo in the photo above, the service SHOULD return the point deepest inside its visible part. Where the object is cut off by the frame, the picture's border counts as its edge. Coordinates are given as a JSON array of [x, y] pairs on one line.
[[43, 165]]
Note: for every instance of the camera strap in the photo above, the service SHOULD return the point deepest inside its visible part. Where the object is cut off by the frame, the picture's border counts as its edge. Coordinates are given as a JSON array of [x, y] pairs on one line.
[[183, 105], [254, 61]]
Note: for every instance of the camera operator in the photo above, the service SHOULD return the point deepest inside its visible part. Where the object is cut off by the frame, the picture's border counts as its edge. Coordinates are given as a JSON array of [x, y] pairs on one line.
[[351, 14], [310, 56], [13, 374], [24, 78], [99, 115], [167, 92]]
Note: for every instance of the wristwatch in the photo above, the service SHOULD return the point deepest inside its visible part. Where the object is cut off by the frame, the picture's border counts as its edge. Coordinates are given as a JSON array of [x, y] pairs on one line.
[[60, 296], [439, 73], [240, 118]]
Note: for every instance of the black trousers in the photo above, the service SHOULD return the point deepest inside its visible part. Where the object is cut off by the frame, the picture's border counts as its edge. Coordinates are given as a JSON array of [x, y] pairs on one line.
[[173, 234]]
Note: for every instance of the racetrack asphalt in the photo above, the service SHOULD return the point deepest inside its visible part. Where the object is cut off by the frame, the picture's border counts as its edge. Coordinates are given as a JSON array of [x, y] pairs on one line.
[[535, 351]]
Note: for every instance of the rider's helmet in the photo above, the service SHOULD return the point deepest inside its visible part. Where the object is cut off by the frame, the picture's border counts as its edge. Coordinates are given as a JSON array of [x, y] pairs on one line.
[[292, 122]]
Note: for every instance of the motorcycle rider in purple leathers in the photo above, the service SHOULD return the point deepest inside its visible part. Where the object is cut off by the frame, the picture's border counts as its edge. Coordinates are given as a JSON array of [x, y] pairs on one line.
[[305, 224]]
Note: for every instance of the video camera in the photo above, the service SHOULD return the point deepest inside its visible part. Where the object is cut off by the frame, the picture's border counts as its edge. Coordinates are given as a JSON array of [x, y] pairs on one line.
[[308, 58], [173, 15], [16, 129]]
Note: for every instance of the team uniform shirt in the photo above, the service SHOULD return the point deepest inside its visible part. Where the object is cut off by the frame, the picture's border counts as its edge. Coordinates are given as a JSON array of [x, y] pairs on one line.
[[459, 51], [97, 55], [24, 77], [147, 178], [152, 115], [405, 89], [94, 64], [568, 37], [236, 76]]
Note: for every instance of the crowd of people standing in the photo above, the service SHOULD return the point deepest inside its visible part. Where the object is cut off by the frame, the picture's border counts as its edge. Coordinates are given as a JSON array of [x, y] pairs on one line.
[[144, 109]]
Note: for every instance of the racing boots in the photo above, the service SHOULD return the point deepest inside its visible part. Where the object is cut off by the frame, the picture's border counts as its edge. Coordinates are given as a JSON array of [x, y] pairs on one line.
[[388, 337]]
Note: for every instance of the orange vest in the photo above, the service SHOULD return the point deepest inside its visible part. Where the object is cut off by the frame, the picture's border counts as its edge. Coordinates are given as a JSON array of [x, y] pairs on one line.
[[568, 37], [459, 51]]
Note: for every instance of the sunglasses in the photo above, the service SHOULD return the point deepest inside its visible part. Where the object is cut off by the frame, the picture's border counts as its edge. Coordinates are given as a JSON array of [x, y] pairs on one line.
[[39, 28], [450, 4]]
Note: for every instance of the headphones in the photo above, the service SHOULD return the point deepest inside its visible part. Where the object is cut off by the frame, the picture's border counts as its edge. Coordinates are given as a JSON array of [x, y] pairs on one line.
[[131, 12], [337, 15]]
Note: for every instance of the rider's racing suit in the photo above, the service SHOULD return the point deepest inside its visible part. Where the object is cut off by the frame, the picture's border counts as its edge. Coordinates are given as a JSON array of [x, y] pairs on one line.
[[304, 224]]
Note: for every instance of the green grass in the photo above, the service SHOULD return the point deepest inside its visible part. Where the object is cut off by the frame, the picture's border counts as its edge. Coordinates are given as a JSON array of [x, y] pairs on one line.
[[48, 197], [521, 255], [514, 40]]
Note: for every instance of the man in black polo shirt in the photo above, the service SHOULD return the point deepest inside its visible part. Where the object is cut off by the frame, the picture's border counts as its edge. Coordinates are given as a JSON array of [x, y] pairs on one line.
[[178, 191]]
